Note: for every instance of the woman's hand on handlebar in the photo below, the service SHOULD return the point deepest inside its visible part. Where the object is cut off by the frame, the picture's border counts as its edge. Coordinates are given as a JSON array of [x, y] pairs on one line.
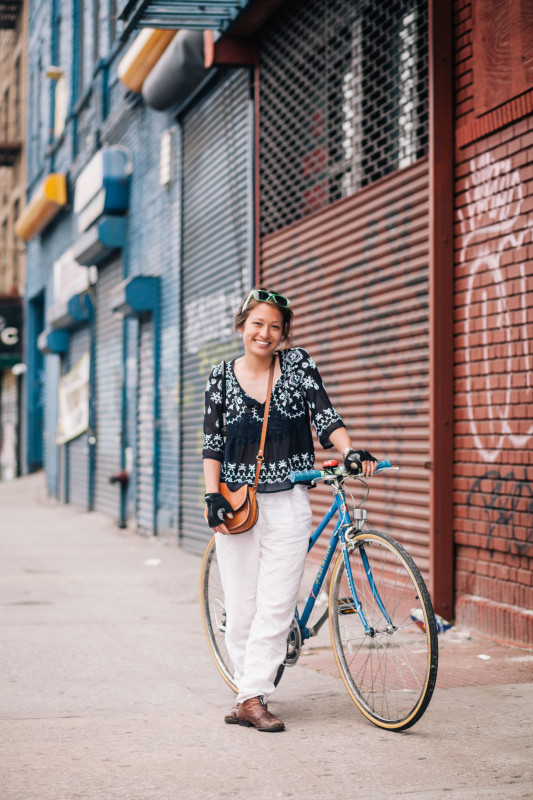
[[360, 462]]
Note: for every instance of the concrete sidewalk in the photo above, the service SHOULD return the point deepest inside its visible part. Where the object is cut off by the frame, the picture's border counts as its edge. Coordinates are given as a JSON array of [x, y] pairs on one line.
[[108, 691]]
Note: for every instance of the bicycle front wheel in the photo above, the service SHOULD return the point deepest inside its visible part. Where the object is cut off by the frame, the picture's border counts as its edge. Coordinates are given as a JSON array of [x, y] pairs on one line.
[[390, 668]]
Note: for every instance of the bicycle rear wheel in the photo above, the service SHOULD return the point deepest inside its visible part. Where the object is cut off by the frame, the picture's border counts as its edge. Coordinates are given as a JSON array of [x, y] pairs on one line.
[[214, 613], [390, 671], [214, 616]]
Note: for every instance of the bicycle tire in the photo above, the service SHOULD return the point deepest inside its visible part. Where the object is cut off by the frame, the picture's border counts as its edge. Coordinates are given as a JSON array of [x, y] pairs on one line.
[[390, 674], [214, 616]]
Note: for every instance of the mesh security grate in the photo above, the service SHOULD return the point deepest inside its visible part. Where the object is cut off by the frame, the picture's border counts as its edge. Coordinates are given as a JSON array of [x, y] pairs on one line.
[[343, 101]]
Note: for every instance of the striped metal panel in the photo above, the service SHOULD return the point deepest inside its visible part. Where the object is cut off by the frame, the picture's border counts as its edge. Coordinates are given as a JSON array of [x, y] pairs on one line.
[[217, 241], [144, 496], [357, 274], [9, 425], [78, 449], [108, 388], [186, 14]]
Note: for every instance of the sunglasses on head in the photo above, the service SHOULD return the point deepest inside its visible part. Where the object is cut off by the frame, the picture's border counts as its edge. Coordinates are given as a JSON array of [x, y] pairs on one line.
[[262, 296]]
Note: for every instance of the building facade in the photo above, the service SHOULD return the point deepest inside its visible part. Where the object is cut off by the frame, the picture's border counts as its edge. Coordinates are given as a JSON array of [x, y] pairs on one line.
[[323, 149], [493, 397], [13, 49]]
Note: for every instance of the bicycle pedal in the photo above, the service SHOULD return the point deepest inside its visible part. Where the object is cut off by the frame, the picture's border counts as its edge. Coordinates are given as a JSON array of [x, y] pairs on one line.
[[346, 605]]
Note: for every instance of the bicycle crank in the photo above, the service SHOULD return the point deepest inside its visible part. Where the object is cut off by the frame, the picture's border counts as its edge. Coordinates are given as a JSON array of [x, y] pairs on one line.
[[294, 644]]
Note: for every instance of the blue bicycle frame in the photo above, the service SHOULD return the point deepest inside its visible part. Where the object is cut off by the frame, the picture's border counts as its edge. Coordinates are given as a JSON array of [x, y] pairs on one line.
[[344, 523]]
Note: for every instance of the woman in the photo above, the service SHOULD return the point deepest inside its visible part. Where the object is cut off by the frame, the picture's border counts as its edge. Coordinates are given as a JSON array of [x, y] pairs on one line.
[[261, 569]]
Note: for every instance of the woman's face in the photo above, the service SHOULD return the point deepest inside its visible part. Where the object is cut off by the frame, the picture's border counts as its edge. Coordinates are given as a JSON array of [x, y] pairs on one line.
[[263, 330]]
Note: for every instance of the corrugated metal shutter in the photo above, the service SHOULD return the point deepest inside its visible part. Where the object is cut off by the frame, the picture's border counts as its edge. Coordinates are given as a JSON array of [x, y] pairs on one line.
[[78, 449], [145, 429], [108, 390], [357, 274], [343, 101], [62, 454], [8, 425], [217, 224]]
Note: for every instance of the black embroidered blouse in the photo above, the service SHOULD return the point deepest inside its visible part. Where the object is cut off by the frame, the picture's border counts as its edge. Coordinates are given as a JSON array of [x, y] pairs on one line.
[[289, 444]]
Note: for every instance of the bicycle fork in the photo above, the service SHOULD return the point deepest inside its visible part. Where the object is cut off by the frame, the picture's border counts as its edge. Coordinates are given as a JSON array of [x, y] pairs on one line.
[[347, 546], [341, 534]]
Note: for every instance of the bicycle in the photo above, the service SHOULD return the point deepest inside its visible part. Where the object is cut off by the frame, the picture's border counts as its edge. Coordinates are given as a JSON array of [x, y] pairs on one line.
[[381, 619]]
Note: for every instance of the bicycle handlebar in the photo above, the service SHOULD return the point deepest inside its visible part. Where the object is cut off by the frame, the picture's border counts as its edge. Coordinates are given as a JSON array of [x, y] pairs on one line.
[[317, 474]]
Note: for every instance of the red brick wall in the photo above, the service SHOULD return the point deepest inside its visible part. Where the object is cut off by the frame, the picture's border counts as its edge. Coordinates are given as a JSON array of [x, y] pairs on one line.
[[493, 478]]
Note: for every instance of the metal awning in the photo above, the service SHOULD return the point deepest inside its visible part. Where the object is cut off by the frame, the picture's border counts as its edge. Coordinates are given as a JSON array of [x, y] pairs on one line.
[[45, 204], [136, 296], [99, 243], [216, 15], [53, 343]]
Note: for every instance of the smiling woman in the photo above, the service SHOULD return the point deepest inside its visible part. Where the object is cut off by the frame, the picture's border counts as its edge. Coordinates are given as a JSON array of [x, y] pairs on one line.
[[261, 568]]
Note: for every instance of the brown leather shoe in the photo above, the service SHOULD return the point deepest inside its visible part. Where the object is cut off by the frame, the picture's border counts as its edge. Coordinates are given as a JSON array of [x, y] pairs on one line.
[[254, 713], [231, 718]]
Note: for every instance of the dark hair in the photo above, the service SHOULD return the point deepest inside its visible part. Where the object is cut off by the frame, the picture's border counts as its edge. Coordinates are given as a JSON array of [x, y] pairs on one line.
[[286, 313]]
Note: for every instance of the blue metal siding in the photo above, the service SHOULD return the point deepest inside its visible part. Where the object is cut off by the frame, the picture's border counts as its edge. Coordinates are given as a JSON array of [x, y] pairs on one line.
[[34, 385], [145, 428], [153, 249], [52, 368], [108, 391], [42, 252], [217, 226]]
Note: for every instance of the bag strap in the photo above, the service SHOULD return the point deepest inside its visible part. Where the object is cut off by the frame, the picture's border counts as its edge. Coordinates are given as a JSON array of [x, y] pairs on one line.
[[224, 426], [260, 454]]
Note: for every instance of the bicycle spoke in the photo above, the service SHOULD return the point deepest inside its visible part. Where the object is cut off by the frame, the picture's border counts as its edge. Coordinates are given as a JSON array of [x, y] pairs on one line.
[[214, 613], [389, 672]]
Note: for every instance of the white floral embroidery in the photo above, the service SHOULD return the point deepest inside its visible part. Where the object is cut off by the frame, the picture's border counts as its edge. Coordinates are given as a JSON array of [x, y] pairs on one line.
[[297, 392], [214, 442], [323, 421], [271, 473]]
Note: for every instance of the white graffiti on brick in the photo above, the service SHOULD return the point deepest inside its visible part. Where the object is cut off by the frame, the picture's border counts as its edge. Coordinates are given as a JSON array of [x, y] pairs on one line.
[[493, 224]]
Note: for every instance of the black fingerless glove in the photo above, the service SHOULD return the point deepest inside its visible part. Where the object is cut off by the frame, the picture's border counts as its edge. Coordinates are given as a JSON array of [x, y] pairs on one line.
[[217, 507], [354, 458]]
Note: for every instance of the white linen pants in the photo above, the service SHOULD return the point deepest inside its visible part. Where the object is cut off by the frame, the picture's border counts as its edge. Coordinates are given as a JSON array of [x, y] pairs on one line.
[[261, 571]]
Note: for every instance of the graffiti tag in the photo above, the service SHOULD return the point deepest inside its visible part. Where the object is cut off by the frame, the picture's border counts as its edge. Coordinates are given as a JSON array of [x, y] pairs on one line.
[[495, 225], [507, 504]]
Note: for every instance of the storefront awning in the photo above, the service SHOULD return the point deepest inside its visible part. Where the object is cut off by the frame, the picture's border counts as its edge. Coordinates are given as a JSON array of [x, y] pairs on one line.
[[103, 186], [46, 202], [178, 73], [70, 314], [100, 242], [53, 343], [216, 15], [136, 296], [139, 60]]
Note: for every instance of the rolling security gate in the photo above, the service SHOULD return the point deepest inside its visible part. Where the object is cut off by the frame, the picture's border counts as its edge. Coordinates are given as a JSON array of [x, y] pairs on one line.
[[78, 449], [8, 425], [357, 276], [344, 224], [217, 223], [108, 390], [144, 496]]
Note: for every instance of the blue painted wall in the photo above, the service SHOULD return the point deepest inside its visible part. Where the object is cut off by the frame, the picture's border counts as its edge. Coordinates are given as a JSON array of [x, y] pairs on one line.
[[102, 112]]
